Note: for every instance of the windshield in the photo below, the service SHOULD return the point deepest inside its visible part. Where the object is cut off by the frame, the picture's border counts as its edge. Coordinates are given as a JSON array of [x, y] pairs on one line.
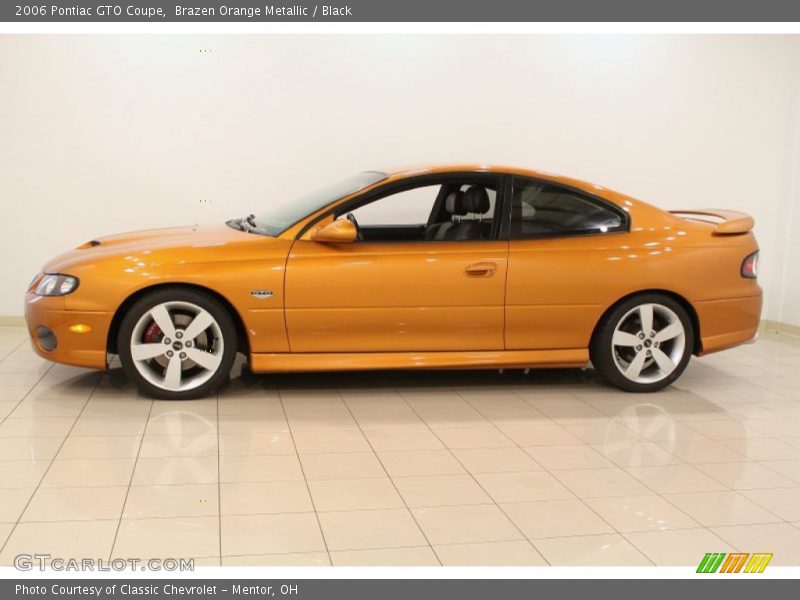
[[277, 220]]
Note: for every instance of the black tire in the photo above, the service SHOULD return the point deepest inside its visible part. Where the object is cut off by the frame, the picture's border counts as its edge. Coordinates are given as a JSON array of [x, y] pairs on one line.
[[201, 299], [602, 351]]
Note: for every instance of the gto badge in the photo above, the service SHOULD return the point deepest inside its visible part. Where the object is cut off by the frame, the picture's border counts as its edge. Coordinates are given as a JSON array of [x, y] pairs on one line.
[[261, 294]]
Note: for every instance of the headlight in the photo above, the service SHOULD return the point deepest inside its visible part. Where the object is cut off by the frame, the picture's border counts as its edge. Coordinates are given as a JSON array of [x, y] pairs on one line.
[[55, 284]]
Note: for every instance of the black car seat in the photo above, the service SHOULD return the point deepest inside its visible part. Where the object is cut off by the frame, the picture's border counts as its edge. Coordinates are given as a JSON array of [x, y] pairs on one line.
[[476, 201], [453, 206]]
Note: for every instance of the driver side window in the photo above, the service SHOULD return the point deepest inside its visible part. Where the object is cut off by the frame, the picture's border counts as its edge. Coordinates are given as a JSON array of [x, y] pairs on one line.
[[449, 211], [410, 207]]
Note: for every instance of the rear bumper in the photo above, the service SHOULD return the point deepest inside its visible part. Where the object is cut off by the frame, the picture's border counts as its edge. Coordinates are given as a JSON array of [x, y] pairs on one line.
[[727, 323], [87, 349]]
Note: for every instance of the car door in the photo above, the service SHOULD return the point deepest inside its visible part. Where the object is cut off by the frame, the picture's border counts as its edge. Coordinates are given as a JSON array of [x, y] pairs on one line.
[[396, 291], [564, 264]]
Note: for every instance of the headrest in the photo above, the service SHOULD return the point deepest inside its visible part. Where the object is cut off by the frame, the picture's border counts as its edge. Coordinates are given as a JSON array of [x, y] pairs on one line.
[[454, 203], [476, 200]]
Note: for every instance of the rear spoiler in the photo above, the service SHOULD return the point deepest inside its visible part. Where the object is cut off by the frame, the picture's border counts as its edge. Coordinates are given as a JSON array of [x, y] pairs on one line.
[[728, 222]]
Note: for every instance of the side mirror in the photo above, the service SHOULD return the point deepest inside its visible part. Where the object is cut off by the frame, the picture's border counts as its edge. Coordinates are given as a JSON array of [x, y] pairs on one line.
[[337, 232]]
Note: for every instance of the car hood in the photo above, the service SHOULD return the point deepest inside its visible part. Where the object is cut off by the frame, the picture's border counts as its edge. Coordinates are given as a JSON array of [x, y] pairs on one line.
[[158, 246]]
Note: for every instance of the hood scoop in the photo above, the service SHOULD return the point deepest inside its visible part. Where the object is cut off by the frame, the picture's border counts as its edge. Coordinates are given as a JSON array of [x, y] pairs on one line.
[[89, 244]]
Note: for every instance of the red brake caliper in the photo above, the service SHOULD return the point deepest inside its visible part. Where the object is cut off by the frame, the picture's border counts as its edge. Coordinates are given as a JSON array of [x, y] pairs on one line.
[[153, 334]]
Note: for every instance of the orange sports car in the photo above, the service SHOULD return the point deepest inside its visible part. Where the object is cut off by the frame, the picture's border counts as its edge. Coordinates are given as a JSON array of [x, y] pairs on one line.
[[465, 266]]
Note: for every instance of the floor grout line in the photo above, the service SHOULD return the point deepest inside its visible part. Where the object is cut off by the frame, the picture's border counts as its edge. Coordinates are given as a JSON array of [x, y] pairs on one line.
[[219, 483], [472, 476], [47, 470], [15, 348], [394, 485], [302, 471], [130, 483], [28, 393], [697, 525], [546, 470]]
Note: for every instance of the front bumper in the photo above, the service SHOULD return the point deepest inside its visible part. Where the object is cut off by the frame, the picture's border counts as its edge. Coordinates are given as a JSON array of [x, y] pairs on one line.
[[87, 349]]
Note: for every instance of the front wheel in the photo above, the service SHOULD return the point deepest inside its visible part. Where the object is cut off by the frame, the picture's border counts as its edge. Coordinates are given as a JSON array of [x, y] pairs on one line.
[[644, 343], [177, 344]]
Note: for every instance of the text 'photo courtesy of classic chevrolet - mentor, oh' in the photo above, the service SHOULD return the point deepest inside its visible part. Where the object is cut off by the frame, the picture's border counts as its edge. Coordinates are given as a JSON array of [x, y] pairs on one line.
[[461, 266]]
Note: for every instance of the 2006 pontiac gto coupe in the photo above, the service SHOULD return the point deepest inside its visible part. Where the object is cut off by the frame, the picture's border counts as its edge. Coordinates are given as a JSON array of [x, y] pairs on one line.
[[447, 267]]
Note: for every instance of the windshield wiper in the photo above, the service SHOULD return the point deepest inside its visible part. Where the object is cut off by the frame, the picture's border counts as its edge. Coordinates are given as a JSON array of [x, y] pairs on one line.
[[247, 224], [236, 224]]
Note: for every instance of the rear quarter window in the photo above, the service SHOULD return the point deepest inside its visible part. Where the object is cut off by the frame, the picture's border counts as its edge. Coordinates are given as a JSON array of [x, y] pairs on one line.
[[542, 209]]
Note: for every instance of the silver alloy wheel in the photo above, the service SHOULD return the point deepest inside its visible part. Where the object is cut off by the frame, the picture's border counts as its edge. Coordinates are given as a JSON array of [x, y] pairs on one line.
[[648, 343], [188, 349]]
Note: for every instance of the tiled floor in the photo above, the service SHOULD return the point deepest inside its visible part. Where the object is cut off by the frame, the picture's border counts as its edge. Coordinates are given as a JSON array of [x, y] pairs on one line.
[[453, 468]]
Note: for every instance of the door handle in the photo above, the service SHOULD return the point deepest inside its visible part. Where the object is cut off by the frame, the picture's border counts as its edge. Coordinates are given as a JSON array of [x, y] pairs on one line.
[[481, 269]]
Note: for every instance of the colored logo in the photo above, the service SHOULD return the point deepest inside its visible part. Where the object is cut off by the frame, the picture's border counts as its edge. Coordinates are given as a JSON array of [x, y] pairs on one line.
[[736, 562]]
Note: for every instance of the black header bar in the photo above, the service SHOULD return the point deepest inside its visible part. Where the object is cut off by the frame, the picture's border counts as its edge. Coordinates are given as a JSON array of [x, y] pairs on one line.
[[188, 11]]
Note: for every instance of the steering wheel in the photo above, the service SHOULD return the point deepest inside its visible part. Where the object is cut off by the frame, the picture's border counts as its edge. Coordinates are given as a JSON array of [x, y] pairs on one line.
[[352, 218]]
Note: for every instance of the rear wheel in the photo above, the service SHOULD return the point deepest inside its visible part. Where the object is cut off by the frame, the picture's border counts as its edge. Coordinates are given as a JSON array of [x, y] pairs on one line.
[[177, 343], [644, 343]]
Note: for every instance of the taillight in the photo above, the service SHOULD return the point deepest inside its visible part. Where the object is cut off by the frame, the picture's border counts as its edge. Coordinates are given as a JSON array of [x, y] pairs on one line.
[[750, 266]]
